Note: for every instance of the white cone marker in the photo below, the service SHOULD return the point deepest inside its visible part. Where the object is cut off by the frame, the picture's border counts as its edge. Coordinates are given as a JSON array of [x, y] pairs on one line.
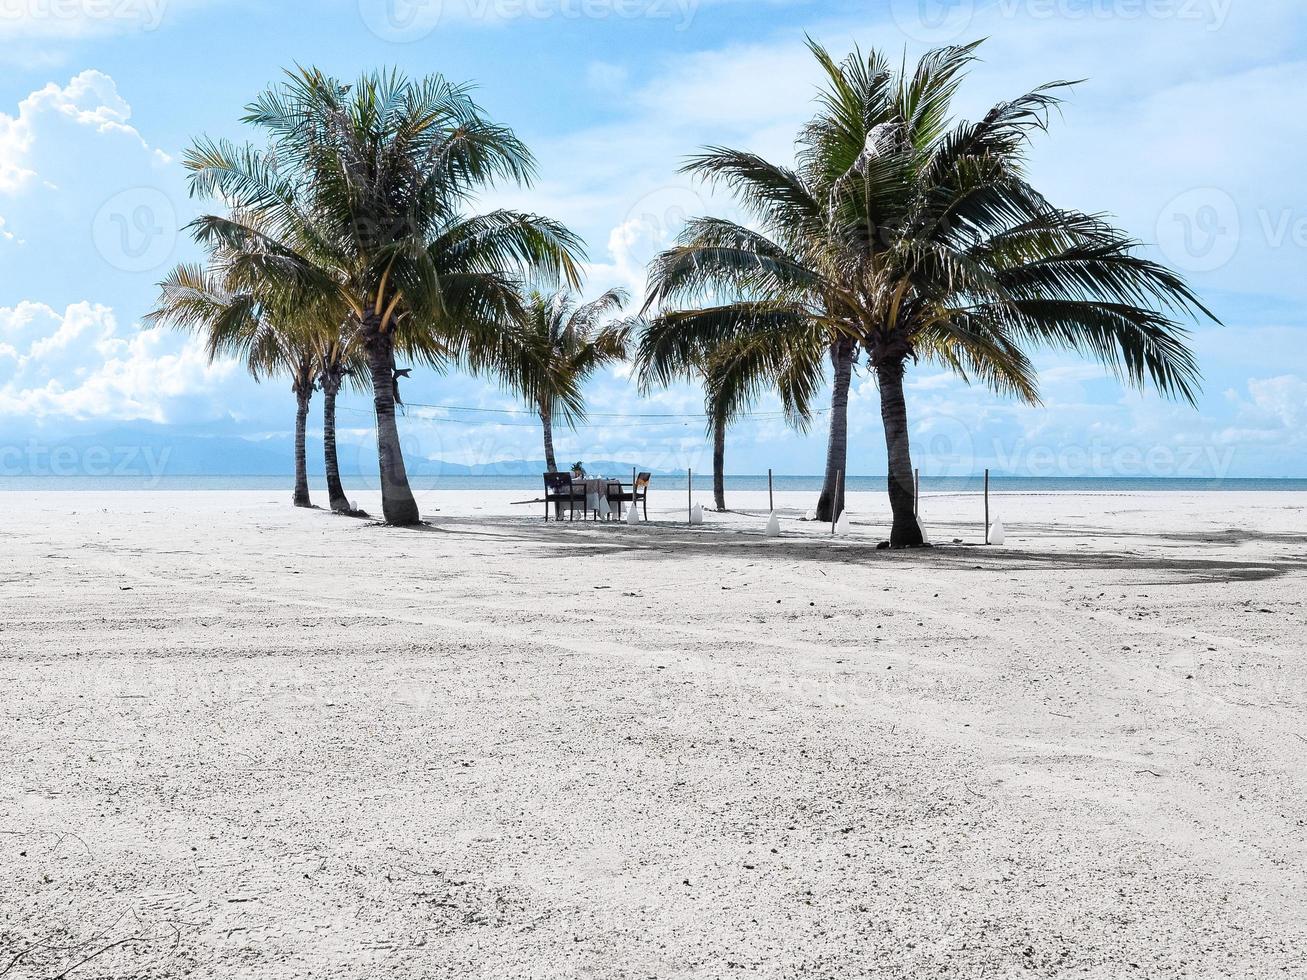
[[998, 534], [774, 526], [845, 527]]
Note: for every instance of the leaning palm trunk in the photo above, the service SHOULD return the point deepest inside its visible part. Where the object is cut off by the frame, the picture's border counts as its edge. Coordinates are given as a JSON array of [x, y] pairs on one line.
[[335, 489], [547, 420], [831, 504], [397, 503], [302, 399], [719, 463], [902, 493]]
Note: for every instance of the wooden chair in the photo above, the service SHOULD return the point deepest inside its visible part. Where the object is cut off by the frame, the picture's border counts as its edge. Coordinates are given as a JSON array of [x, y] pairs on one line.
[[638, 495], [560, 490]]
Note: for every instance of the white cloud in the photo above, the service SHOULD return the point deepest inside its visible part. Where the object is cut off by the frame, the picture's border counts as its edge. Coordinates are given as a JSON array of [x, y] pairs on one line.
[[606, 78], [740, 88], [1276, 407], [79, 364], [90, 100], [1191, 96]]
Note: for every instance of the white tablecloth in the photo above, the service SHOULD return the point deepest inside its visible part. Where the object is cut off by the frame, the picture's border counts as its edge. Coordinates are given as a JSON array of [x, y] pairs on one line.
[[596, 492]]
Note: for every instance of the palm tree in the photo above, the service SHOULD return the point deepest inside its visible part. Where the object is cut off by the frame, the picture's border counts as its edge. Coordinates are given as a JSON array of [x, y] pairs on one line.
[[722, 407], [843, 357], [239, 325], [735, 370], [338, 360], [917, 237], [360, 202], [556, 346]]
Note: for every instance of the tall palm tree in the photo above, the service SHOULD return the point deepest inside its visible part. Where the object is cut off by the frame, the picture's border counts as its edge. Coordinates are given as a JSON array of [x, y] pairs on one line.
[[917, 237], [554, 349], [239, 325], [360, 201]]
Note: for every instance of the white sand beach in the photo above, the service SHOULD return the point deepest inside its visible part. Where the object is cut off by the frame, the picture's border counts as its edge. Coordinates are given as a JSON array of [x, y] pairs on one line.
[[243, 740]]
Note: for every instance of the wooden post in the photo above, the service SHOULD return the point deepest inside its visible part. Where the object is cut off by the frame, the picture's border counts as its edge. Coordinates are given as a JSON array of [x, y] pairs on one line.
[[986, 506], [771, 492], [689, 496]]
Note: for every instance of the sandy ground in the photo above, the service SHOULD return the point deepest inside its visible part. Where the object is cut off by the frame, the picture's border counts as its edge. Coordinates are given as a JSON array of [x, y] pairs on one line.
[[246, 741]]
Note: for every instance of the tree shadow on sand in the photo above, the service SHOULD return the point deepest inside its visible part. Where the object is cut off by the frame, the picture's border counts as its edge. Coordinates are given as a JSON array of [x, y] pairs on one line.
[[665, 541]]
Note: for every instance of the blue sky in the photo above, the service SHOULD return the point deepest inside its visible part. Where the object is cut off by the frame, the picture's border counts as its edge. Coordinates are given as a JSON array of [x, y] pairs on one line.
[[1187, 129]]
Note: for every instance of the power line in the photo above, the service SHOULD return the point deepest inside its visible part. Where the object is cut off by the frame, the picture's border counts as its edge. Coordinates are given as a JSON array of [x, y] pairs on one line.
[[679, 423], [694, 416]]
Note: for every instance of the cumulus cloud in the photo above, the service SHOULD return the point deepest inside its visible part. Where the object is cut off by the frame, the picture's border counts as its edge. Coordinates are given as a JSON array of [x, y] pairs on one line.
[[1271, 410], [90, 100], [95, 237], [80, 364]]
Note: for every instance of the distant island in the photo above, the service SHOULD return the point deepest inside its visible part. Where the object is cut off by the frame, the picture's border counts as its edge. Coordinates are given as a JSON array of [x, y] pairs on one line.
[[151, 451]]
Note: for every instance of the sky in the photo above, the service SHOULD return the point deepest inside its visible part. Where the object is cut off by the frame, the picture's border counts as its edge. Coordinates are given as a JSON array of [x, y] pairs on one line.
[[1186, 128]]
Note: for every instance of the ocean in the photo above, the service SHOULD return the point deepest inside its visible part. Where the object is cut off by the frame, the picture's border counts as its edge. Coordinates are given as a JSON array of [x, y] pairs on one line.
[[802, 484]]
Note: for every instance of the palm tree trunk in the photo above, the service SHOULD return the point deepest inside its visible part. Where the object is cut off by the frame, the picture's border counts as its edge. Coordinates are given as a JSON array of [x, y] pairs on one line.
[[302, 399], [397, 503], [894, 414], [547, 420], [719, 463], [335, 489], [831, 504]]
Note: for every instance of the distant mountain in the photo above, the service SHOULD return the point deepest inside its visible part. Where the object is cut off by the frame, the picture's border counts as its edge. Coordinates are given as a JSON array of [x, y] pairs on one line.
[[155, 451], [534, 467], [150, 450]]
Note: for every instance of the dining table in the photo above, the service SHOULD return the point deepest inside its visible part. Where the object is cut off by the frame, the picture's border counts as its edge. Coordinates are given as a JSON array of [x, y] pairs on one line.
[[597, 490]]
